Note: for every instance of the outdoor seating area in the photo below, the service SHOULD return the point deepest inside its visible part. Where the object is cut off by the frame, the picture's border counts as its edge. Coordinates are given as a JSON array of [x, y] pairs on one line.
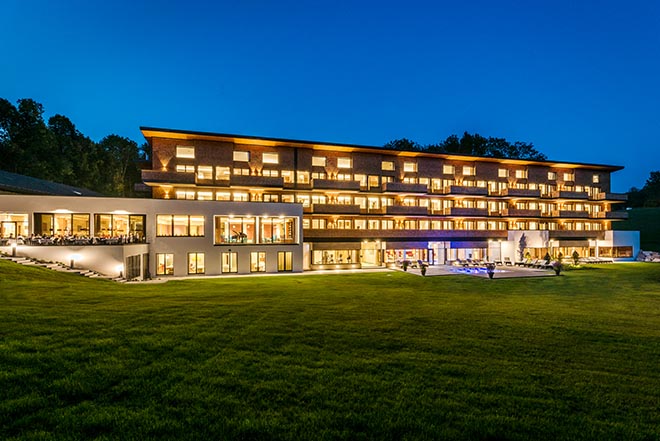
[[55, 240]]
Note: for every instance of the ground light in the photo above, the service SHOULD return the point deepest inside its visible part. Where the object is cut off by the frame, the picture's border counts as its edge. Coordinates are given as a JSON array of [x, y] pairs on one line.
[[73, 258], [14, 246], [120, 270]]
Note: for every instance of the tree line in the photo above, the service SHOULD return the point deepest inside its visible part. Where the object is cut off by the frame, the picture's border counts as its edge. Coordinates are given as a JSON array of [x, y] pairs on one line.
[[647, 196], [57, 151], [472, 145]]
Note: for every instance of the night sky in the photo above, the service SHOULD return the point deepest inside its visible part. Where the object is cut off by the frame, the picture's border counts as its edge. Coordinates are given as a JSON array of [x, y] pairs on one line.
[[578, 79]]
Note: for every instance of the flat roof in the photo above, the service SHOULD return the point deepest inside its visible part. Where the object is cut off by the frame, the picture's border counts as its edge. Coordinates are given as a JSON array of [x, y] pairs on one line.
[[155, 132], [21, 184]]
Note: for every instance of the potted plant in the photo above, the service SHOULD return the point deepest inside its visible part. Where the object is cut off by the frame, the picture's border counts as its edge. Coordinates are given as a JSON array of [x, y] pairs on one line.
[[556, 266], [576, 258], [423, 269], [404, 265], [490, 269]]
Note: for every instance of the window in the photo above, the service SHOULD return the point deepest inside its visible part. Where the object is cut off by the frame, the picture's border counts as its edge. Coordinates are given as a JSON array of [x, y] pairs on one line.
[[271, 173], [258, 262], [284, 261], [502, 173], [241, 197], [552, 176], [169, 225], [204, 195], [387, 165], [229, 262], [318, 175], [251, 230], [469, 170], [195, 263], [241, 171], [222, 173], [318, 161], [270, 158], [130, 227], [222, 196], [409, 167], [448, 169], [185, 168], [344, 163], [521, 174], [362, 179], [204, 172], [185, 194], [303, 177], [164, 264], [595, 179], [271, 198], [240, 156], [288, 176], [568, 177], [185, 152]]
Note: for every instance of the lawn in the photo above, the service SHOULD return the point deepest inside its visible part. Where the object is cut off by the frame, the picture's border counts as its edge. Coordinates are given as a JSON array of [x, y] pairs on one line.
[[366, 356]]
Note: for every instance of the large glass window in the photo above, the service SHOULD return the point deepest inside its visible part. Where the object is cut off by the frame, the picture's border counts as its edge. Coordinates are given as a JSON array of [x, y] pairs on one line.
[[318, 161], [258, 262], [59, 224], [195, 263], [229, 262], [284, 261], [409, 166], [179, 225], [387, 165], [13, 225], [270, 158], [185, 152], [119, 225], [448, 169], [344, 163], [222, 173], [252, 230], [164, 264], [241, 156], [204, 172]]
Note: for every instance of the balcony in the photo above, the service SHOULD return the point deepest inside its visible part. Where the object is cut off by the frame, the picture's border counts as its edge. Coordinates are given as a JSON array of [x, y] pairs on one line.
[[516, 212], [571, 214], [620, 215], [167, 177], [336, 209], [563, 194], [404, 187], [574, 234], [520, 193], [470, 191], [618, 197], [333, 184], [406, 210], [402, 235], [256, 181], [459, 211]]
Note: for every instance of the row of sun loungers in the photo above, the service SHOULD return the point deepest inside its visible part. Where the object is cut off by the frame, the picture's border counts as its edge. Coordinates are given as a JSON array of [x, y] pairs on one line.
[[535, 263]]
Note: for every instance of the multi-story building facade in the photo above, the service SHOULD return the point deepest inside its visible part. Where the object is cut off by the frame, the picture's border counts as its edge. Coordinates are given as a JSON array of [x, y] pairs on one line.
[[366, 206]]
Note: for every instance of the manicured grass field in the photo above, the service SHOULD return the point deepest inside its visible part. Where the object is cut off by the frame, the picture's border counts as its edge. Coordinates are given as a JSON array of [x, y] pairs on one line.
[[368, 356]]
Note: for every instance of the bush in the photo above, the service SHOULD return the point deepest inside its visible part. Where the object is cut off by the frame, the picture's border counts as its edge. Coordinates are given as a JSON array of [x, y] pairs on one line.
[[576, 257]]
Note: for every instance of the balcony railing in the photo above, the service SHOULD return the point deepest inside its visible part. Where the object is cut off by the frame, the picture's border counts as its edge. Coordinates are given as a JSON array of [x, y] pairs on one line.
[[570, 214], [516, 212], [404, 187], [563, 194], [611, 215], [459, 211], [336, 209], [619, 197], [257, 181], [575, 234], [167, 177], [333, 184], [461, 190], [403, 235], [406, 210], [520, 192]]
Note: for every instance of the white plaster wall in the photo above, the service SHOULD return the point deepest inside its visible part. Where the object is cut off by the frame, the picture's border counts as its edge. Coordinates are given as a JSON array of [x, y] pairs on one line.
[[622, 239]]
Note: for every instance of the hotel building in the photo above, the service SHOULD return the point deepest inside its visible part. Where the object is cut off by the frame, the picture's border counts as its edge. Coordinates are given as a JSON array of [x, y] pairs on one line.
[[368, 206]]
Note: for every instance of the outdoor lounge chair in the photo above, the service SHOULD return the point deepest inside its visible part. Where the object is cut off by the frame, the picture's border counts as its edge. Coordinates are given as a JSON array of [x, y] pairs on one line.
[[507, 261]]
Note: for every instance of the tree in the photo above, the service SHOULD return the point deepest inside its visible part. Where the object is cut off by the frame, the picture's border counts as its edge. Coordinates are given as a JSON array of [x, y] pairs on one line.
[[649, 195], [123, 157], [403, 144], [522, 245]]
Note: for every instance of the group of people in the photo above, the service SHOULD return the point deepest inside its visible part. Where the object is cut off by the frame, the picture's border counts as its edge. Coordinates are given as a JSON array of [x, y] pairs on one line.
[[74, 239]]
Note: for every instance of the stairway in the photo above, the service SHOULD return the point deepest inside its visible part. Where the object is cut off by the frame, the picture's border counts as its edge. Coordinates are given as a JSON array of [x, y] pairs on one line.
[[58, 266]]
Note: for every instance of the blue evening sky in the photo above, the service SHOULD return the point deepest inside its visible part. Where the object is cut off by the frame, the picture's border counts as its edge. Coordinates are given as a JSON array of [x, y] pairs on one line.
[[579, 79]]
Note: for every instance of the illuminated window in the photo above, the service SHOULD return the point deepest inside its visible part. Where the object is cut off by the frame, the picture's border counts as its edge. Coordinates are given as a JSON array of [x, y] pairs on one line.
[[186, 194], [271, 173], [502, 173], [222, 173], [169, 225], [284, 261], [521, 174], [195, 263], [424, 181], [222, 196], [552, 176], [318, 175], [344, 163], [409, 167], [257, 262], [229, 262], [568, 177], [241, 197], [204, 195], [242, 171], [387, 165], [288, 176], [448, 169], [469, 170], [164, 264], [204, 172], [270, 158], [240, 156], [185, 168], [185, 152], [362, 179], [303, 177], [318, 161], [595, 179]]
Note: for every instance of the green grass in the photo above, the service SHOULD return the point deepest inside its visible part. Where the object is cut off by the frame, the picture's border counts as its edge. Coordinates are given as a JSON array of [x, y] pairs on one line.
[[645, 220], [368, 356]]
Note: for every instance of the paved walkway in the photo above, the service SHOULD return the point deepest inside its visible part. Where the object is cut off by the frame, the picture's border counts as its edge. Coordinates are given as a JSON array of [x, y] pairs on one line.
[[501, 272]]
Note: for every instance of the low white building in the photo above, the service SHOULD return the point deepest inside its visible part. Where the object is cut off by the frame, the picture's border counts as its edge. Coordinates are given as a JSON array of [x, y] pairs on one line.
[[142, 238]]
